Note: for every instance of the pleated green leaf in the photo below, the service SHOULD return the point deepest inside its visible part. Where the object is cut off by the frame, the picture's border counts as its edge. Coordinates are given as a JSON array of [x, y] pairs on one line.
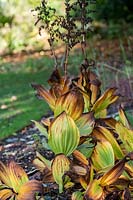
[[63, 135], [77, 195], [103, 156], [85, 123], [108, 135]]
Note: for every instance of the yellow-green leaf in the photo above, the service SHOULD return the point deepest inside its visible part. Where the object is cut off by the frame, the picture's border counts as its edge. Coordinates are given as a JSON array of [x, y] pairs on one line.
[[95, 191], [63, 135], [60, 165], [41, 162], [85, 123], [41, 128], [104, 101], [103, 156], [77, 195], [123, 119], [126, 136], [103, 133]]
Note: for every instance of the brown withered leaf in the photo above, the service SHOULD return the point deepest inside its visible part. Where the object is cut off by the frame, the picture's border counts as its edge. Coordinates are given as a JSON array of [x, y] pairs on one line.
[[55, 77], [59, 84], [123, 119], [113, 174], [111, 122], [45, 94], [80, 157]]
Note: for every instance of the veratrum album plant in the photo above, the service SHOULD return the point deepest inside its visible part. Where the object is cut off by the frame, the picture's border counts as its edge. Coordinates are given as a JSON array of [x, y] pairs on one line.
[[91, 150]]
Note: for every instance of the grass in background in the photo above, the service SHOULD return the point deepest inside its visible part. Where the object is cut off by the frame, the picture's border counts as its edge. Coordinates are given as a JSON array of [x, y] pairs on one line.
[[18, 103]]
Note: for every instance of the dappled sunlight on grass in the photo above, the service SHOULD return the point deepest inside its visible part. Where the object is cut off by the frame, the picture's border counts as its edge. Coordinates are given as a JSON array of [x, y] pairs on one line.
[[18, 104]]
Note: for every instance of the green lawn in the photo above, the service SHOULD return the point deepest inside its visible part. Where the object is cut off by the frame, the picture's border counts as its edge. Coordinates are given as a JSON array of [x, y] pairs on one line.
[[15, 81]]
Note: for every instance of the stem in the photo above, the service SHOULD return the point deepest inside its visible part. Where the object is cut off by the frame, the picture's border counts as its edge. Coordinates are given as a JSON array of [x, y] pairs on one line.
[[53, 52], [66, 60], [83, 42]]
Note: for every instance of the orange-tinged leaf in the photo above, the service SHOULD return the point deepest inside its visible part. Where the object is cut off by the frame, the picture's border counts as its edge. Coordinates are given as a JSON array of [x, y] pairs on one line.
[[104, 101], [95, 191], [5, 194], [83, 182], [47, 121], [72, 103], [105, 134], [85, 123], [4, 175], [81, 171], [41, 162], [113, 174], [129, 169], [63, 135], [111, 122], [45, 94], [60, 165], [28, 190], [123, 119], [17, 176], [103, 156], [126, 136], [80, 157]]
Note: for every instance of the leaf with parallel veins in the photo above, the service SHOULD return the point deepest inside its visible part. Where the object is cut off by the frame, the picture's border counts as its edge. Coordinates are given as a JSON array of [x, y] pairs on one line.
[[103, 156], [63, 135], [104, 101], [15, 183], [45, 94], [72, 103], [95, 191], [105, 134], [113, 174], [85, 123], [60, 165]]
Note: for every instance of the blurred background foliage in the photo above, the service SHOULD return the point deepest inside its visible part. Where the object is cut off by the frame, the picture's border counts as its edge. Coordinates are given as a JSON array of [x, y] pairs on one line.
[[18, 32]]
